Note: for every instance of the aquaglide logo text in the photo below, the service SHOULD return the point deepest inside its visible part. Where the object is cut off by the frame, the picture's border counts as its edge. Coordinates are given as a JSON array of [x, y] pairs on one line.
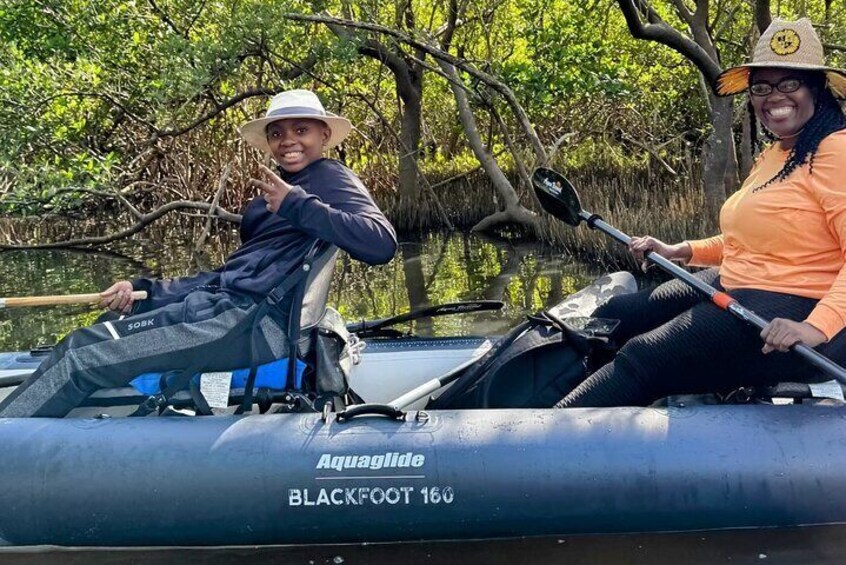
[[389, 460]]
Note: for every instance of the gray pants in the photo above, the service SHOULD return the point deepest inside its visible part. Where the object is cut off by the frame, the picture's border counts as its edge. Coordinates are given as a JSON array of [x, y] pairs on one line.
[[206, 331]]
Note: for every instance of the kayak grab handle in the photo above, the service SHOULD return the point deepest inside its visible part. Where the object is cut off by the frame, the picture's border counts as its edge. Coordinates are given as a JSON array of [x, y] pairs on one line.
[[369, 410]]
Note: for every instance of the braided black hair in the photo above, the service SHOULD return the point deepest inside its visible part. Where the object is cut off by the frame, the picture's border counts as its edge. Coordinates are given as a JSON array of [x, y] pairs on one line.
[[828, 118]]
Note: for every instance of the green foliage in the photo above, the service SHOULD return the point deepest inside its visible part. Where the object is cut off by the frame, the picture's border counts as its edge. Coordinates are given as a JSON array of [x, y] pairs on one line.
[[87, 86], [110, 94], [559, 57]]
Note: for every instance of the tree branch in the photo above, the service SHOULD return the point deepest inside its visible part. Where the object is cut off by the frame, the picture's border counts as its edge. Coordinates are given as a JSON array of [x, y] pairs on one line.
[[165, 18], [195, 17], [221, 186], [399, 67], [659, 31], [684, 13], [145, 220], [720, 28], [221, 107], [443, 56], [652, 151], [513, 210], [98, 95]]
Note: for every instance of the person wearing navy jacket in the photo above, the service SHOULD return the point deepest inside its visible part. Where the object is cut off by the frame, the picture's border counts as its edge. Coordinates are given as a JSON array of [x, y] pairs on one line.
[[309, 197]]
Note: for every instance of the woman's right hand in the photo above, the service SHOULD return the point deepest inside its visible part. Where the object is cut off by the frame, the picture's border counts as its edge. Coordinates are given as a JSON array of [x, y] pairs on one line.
[[118, 297], [640, 246]]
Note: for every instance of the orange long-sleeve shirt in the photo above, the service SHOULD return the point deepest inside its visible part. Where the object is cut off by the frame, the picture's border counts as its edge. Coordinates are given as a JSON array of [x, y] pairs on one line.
[[789, 236]]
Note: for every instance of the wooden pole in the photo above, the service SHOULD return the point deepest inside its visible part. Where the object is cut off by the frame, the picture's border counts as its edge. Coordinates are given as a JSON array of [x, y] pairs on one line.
[[93, 298]]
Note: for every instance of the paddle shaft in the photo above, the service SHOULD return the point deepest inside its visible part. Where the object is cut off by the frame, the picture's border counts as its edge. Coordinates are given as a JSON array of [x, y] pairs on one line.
[[468, 307], [721, 299], [432, 385], [94, 297]]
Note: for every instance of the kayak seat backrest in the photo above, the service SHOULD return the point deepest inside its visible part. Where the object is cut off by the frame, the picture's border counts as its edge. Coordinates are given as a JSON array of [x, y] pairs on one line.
[[315, 293]]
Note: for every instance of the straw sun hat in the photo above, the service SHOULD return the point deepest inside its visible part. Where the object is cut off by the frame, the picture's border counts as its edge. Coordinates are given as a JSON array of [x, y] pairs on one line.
[[784, 45], [295, 104]]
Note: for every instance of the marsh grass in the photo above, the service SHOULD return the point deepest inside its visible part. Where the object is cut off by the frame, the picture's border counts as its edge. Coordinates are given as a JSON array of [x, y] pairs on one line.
[[635, 202], [669, 209]]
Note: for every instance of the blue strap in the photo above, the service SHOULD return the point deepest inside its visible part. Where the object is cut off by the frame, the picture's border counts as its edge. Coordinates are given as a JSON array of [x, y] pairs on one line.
[[271, 375]]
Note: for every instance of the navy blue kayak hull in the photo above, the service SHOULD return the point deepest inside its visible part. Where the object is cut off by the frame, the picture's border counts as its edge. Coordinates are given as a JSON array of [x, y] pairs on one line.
[[293, 479]]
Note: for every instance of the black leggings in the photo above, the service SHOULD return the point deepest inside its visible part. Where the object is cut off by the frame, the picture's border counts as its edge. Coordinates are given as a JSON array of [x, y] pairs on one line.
[[676, 342]]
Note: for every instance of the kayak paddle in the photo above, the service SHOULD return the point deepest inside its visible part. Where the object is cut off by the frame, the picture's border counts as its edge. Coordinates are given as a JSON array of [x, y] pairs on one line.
[[92, 298], [559, 198], [428, 312]]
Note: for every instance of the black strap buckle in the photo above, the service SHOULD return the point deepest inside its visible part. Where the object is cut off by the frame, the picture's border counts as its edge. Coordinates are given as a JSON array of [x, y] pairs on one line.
[[155, 401], [152, 404], [275, 297]]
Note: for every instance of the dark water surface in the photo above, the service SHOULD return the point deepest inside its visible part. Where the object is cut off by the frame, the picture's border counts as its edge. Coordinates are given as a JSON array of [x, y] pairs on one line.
[[788, 546], [435, 269]]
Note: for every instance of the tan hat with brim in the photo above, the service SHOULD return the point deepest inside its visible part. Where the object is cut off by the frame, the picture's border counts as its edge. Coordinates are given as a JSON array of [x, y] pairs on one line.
[[294, 104], [784, 45]]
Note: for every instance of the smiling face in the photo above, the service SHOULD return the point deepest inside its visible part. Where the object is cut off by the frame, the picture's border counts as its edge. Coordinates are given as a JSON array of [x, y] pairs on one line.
[[297, 142], [784, 114]]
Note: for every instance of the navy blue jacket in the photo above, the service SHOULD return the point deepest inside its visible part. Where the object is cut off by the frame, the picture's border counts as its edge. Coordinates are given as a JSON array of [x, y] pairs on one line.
[[328, 202]]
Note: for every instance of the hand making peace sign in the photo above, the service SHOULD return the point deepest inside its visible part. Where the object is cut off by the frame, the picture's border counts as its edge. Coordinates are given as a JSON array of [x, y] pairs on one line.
[[274, 191]]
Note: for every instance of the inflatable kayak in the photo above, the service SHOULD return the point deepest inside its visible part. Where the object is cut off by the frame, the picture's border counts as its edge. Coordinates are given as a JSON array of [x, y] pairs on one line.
[[416, 474]]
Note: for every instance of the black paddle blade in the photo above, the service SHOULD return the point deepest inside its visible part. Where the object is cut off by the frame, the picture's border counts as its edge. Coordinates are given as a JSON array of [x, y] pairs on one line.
[[557, 195]]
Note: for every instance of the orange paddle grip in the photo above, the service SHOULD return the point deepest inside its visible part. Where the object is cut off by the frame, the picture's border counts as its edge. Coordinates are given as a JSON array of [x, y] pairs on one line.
[[722, 300]]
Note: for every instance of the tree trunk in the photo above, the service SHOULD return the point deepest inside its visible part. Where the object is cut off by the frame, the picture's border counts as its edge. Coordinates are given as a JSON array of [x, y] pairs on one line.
[[410, 209], [414, 206], [512, 211], [719, 159]]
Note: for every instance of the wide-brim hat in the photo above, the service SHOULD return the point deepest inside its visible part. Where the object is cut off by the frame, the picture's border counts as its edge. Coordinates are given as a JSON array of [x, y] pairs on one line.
[[784, 45], [295, 104]]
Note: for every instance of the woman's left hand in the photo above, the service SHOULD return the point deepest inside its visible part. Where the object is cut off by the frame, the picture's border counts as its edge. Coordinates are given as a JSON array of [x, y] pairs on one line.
[[781, 334], [274, 191]]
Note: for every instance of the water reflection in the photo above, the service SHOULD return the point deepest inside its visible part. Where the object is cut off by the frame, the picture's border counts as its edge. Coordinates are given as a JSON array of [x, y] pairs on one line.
[[438, 268]]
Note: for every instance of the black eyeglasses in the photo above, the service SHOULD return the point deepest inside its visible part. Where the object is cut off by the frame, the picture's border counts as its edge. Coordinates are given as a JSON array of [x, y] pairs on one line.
[[785, 85]]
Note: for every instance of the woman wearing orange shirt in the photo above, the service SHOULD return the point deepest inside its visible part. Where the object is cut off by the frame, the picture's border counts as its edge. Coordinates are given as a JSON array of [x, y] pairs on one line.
[[780, 254]]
